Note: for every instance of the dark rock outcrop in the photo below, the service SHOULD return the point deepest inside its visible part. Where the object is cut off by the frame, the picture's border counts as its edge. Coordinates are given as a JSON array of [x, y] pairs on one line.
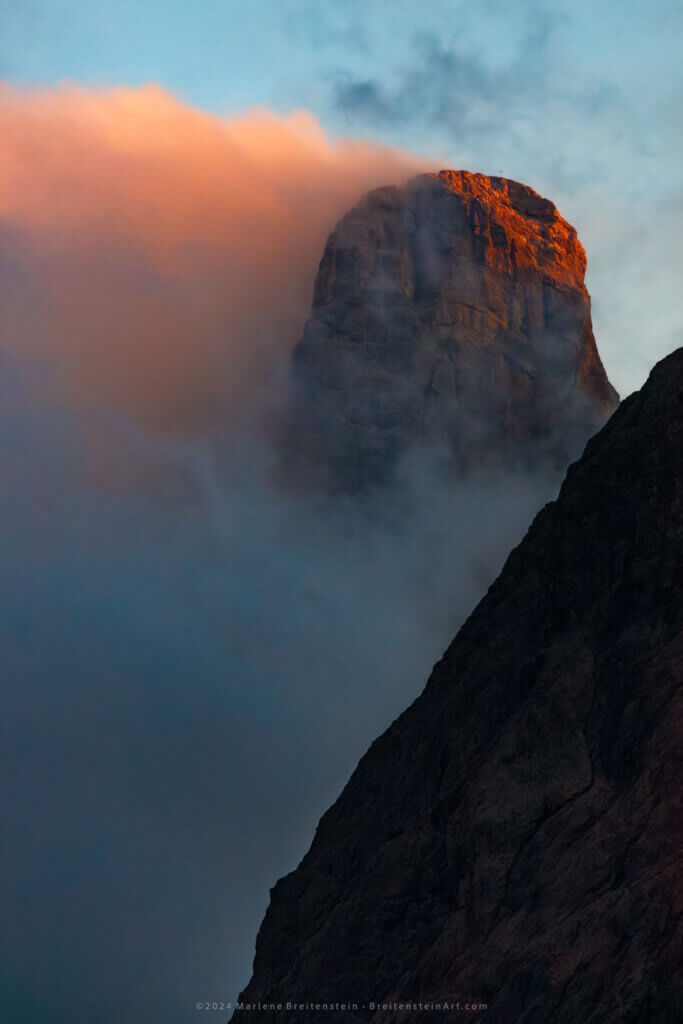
[[453, 312], [514, 837]]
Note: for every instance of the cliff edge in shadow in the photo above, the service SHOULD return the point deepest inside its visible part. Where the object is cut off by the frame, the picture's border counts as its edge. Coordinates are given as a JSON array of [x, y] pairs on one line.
[[514, 838]]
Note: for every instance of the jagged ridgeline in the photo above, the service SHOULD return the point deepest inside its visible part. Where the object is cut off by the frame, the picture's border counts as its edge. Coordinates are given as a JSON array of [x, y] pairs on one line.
[[514, 838], [452, 314]]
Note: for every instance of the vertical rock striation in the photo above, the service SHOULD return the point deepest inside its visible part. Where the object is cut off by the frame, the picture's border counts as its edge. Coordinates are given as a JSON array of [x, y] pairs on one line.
[[450, 313], [514, 837]]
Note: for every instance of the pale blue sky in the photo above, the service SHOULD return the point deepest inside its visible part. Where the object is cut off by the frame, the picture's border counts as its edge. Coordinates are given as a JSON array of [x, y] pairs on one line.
[[228, 54], [218, 54]]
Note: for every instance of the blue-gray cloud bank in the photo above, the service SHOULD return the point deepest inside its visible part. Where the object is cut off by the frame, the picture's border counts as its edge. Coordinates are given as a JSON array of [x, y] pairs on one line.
[[193, 658]]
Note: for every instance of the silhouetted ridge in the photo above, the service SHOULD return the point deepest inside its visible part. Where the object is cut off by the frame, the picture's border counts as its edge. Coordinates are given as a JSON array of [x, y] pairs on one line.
[[514, 837]]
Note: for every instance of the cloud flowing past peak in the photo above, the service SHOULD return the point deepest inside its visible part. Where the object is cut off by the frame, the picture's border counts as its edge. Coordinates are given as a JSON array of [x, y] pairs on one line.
[[162, 258], [194, 655]]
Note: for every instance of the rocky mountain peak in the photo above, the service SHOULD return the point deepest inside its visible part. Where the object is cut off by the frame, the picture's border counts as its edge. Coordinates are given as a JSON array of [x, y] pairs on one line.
[[450, 314]]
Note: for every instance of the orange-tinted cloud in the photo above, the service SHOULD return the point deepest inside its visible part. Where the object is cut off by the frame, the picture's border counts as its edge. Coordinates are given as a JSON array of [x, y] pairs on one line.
[[160, 256]]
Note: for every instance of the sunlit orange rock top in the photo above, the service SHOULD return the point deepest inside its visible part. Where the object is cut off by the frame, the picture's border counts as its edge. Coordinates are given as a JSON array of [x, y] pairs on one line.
[[522, 230]]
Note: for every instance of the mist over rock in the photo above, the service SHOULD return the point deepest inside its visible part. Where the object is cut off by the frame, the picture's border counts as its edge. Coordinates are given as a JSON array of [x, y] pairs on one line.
[[515, 836], [450, 313]]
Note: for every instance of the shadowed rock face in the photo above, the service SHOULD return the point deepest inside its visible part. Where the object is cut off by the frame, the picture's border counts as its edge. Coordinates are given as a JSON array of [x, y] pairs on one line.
[[451, 312], [515, 836]]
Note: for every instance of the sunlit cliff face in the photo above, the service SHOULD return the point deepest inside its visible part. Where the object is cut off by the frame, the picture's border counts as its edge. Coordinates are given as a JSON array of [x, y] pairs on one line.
[[159, 257], [525, 232]]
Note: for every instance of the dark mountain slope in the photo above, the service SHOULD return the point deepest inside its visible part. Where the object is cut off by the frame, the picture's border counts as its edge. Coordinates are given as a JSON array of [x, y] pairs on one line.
[[514, 836]]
